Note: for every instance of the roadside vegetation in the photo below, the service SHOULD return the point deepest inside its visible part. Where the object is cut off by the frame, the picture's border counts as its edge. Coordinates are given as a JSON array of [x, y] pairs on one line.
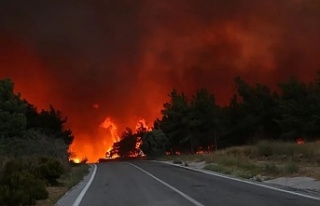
[[260, 134], [34, 156], [67, 181], [273, 121], [264, 160]]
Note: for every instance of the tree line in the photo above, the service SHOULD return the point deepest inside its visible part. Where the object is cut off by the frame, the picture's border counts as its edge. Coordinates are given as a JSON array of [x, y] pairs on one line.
[[18, 117], [255, 112], [33, 148]]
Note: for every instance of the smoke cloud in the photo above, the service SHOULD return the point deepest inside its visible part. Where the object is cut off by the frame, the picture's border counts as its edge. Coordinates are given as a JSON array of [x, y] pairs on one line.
[[125, 56]]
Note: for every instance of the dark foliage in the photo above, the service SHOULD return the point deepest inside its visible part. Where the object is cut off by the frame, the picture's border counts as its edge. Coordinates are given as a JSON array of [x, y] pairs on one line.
[[255, 113], [12, 111], [49, 170], [154, 143], [128, 146], [18, 186], [17, 116], [26, 135], [50, 123]]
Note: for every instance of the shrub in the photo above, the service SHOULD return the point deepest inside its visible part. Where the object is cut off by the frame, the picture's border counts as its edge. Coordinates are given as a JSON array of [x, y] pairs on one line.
[[19, 186], [177, 161], [76, 175], [271, 169], [226, 162], [245, 173], [264, 149], [33, 144], [291, 168], [214, 167], [247, 151], [49, 170], [289, 150]]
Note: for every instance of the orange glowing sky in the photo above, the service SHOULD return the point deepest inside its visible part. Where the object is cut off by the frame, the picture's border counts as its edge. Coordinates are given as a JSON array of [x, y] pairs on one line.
[[119, 59]]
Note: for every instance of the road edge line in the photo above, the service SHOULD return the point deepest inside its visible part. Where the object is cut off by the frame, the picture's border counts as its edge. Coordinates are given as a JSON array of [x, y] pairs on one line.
[[195, 202], [84, 190], [242, 180]]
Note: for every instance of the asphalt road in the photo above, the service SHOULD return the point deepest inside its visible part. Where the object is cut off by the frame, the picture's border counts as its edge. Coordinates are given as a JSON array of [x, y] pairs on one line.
[[152, 183]]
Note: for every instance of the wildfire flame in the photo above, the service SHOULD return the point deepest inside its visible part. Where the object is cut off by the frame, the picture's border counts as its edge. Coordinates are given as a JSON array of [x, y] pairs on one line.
[[109, 125], [142, 124], [84, 148], [300, 140], [219, 41]]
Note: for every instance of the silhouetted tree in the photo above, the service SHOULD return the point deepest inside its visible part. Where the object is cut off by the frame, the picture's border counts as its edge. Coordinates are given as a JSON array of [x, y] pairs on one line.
[[299, 109], [251, 117], [154, 143], [12, 111], [50, 122], [175, 122], [204, 120], [126, 147]]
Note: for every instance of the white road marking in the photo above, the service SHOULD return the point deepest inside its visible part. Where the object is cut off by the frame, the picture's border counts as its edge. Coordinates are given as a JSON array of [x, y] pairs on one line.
[[84, 190], [195, 202], [244, 181]]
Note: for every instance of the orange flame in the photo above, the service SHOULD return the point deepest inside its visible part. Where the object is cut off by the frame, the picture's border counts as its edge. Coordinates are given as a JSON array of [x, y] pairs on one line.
[[109, 125], [86, 147], [300, 140], [142, 124]]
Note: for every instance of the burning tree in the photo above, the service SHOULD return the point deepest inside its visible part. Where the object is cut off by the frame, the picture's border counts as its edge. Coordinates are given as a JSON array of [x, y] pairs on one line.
[[129, 144], [126, 147]]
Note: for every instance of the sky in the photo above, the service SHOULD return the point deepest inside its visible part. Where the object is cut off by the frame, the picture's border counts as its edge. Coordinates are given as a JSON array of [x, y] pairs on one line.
[[120, 58]]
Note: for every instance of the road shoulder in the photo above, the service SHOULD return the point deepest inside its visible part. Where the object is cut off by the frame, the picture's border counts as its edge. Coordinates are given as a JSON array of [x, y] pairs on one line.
[[70, 197]]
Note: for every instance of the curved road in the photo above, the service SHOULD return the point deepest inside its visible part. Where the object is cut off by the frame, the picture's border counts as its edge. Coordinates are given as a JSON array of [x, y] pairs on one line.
[[153, 183]]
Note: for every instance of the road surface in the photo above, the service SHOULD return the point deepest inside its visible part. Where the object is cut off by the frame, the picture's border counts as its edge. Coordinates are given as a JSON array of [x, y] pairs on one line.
[[139, 183]]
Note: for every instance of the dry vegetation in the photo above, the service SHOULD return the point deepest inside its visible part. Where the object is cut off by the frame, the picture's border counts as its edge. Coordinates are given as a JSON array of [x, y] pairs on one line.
[[265, 159], [75, 175]]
